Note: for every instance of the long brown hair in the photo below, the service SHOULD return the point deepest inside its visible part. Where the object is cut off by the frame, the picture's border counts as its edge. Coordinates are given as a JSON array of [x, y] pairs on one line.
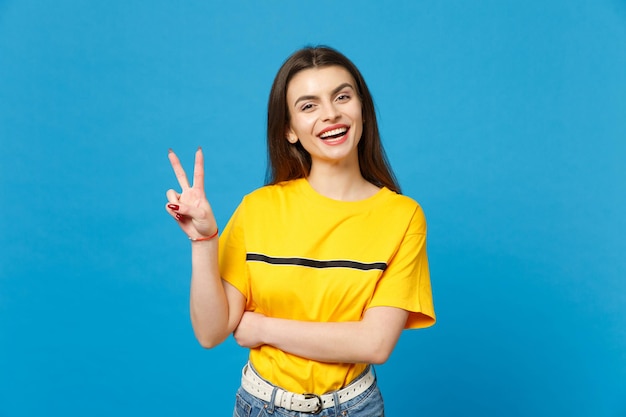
[[289, 161]]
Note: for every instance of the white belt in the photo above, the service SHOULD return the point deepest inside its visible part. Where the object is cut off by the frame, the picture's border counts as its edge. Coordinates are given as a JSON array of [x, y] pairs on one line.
[[256, 386]]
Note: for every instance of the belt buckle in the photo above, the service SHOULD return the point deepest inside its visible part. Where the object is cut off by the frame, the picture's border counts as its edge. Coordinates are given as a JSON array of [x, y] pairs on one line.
[[309, 396]]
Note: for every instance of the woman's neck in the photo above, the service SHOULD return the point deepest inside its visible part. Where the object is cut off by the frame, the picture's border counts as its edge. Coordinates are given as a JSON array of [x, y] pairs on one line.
[[340, 183]]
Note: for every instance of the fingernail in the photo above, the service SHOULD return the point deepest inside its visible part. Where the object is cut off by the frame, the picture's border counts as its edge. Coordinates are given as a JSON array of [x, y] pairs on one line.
[[170, 150], [173, 206], [179, 217], [199, 148]]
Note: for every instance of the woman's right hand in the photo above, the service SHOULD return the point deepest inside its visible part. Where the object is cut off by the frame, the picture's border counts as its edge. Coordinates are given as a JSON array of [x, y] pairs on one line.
[[190, 208]]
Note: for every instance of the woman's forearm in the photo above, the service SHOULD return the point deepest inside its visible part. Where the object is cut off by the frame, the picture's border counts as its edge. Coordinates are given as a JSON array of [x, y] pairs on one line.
[[325, 342], [370, 340], [211, 317]]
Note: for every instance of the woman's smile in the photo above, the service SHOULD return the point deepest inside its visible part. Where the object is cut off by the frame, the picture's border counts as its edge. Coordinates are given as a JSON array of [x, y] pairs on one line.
[[334, 135]]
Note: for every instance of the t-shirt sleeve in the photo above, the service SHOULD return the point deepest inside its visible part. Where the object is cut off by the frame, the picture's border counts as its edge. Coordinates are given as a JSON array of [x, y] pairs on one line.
[[232, 253], [405, 283]]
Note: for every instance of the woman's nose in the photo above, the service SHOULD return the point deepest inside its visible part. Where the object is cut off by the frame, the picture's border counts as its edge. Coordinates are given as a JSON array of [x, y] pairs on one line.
[[330, 112]]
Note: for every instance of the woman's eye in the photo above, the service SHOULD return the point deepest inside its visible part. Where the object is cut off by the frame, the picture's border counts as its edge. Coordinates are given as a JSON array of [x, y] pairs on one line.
[[306, 107], [343, 97]]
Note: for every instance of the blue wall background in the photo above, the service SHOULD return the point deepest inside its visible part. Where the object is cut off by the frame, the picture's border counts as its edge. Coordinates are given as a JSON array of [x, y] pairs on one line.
[[505, 120]]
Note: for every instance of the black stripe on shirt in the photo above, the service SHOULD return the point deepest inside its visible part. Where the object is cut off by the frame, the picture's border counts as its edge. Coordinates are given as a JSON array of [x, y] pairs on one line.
[[313, 263]]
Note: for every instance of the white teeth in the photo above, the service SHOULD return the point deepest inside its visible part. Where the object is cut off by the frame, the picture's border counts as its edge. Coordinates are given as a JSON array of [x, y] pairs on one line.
[[334, 132]]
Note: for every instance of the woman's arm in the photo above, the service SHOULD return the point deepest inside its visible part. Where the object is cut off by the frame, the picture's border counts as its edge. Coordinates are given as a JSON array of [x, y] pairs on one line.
[[370, 340], [215, 306]]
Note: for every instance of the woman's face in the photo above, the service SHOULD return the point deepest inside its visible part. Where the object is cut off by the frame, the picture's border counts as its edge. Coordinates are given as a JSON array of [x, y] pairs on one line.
[[325, 113]]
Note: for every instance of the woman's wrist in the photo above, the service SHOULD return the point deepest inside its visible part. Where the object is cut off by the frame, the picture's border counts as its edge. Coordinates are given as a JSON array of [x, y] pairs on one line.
[[204, 238]]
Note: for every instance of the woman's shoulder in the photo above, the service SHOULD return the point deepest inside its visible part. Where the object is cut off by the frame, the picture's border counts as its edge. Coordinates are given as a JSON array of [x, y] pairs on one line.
[[404, 209], [400, 200], [271, 192]]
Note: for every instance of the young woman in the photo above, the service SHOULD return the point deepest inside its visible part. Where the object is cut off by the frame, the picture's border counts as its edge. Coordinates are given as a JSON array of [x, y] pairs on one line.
[[319, 271]]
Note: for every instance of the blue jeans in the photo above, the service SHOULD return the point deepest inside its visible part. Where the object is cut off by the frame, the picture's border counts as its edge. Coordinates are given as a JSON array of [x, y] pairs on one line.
[[368, 404]]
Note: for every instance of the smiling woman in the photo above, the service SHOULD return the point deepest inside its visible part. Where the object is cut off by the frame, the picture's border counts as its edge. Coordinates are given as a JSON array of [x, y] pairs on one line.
[[318, 272], [326, 118]]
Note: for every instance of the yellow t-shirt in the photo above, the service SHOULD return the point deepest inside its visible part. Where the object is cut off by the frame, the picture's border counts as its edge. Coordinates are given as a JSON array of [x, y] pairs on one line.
[[295, 254]]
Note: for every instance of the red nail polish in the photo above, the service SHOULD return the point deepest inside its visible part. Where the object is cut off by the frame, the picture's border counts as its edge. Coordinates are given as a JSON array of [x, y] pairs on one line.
[[173, 206], [179, 217]]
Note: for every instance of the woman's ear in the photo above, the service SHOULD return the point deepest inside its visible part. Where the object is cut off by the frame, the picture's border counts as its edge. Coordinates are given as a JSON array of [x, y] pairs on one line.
[[291, 136]]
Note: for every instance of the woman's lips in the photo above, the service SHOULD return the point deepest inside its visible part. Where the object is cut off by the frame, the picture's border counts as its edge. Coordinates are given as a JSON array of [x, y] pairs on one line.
[[334, 132], [335, 136]]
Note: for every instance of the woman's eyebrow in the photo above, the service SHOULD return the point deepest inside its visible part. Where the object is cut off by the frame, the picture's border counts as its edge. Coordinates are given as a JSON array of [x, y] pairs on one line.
[[341, 87], [335, 91]]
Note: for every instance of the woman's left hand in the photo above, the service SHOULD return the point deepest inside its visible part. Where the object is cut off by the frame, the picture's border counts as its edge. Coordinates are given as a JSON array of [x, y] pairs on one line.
[[249, 333]]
